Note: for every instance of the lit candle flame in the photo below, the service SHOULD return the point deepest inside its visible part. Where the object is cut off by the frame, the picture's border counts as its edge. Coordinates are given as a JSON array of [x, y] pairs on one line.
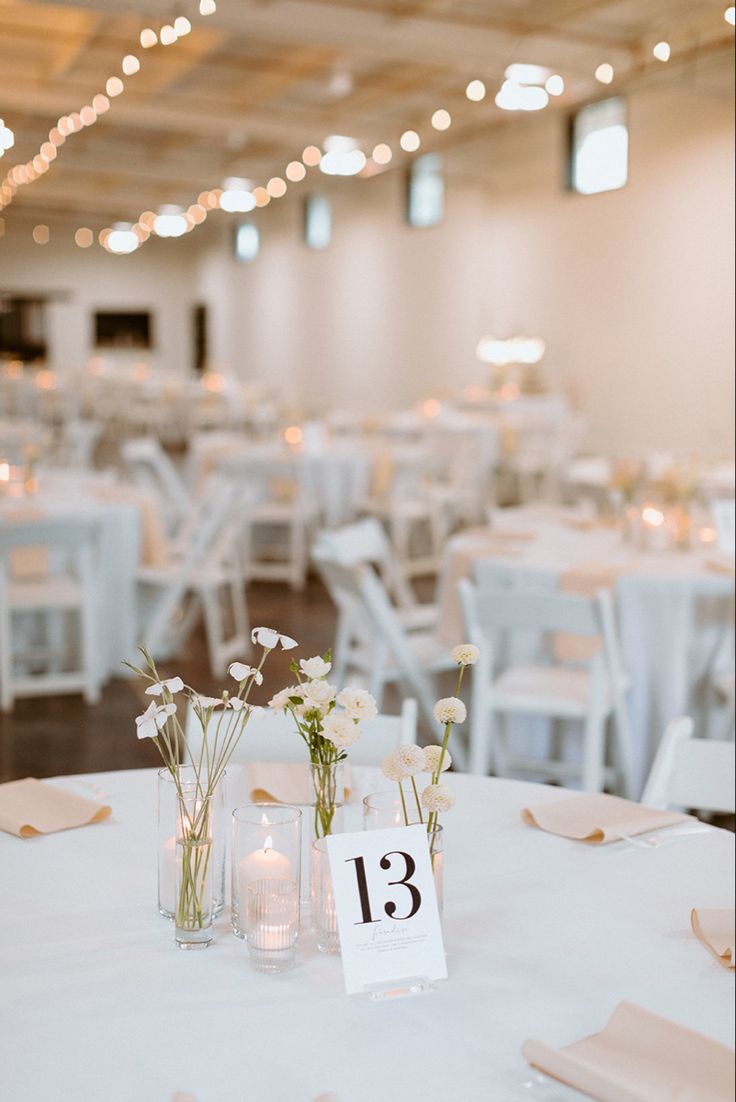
[[4, 472], [268, 844], [652, 516]]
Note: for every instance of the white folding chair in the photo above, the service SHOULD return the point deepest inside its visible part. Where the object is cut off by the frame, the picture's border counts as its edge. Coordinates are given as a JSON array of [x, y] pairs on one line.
[[691, 772], [272, 737], [366, 542], [380, 651], [279, 515], [60, 589], [76, 444], [589, 694], [149, 466], [208, 570]]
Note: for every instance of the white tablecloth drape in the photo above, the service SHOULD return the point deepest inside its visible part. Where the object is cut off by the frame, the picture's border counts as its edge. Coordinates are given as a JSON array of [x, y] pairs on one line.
[[544, 936], [675, 613]]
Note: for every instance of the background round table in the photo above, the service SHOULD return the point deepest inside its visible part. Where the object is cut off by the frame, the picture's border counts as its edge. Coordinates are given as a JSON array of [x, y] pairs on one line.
[[544, 937]]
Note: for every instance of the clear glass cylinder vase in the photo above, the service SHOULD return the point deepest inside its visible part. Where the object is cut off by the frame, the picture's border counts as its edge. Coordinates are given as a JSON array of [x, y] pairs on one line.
[[169, 829], [327, 797], [322, 900], [194, 871]]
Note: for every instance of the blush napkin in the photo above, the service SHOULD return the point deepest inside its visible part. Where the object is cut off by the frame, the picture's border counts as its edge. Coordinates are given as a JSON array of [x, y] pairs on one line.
[[283, 783], [598, 818], [641, 1057], [31, 807], [717, 931]]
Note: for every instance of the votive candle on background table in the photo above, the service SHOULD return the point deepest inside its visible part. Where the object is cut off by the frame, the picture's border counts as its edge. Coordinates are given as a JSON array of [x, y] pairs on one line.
[[266, 846]]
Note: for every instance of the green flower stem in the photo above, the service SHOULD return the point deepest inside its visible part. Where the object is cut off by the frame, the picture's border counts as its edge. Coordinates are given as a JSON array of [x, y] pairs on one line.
[[416, 797], [403, 804]]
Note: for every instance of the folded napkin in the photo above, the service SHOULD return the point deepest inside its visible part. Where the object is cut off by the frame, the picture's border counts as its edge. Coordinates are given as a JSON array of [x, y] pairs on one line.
[[598, 818], [717, 931], [283, 783], [640, 1057], [31, 807]]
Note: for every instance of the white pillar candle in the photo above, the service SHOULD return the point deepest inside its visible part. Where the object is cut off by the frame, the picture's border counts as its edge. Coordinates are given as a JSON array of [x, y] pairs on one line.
[[262, 864]]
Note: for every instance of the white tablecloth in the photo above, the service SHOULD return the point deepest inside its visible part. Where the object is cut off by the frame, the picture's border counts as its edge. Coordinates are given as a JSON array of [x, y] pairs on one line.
[[544, 936], [119, 556], [675, 614]]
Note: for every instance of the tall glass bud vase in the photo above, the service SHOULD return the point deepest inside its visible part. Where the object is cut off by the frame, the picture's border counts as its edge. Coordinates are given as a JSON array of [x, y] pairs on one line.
[[194, 872], [169, 829], [328, 799]]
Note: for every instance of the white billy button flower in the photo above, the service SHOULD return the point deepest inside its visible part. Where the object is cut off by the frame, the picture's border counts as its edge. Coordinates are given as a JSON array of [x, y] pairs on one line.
[[358, 703], [465, 654], [432, 759], [410, 760], [450, 710], [314, 668], [153, 719], [437, 797], [240, 672], [174, 685], [391, 768], [268, 638], [341, 730]]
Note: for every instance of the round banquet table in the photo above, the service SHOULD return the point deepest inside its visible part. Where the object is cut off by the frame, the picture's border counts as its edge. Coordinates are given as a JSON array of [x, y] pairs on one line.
[[675, 609], [84, 496], [544, 937]]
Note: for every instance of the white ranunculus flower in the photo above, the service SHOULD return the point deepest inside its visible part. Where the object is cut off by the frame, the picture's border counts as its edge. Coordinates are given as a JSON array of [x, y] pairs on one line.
[[341, 730], [317, 695], [466, 654], [268, 638], [279, 701], [432, 759], [437, 797], [450, 710], [153, 719], [358, 703], [173, 684], [240, 672], [410, 760], [391, 768], [314, 668]]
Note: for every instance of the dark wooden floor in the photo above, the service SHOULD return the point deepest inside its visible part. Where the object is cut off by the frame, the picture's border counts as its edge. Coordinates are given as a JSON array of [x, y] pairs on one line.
[[49, 736]]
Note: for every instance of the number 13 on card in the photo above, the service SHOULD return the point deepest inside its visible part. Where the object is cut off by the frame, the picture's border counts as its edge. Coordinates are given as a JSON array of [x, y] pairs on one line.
[[386, 907]]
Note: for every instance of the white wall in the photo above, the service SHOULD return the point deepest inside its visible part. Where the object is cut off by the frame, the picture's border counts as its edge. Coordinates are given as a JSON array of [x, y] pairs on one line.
[[632, 290], [159, 278]]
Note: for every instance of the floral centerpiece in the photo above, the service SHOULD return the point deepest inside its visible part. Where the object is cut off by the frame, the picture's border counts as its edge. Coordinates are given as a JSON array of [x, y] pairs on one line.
[[329, 723], [406, 763], [222, 720]]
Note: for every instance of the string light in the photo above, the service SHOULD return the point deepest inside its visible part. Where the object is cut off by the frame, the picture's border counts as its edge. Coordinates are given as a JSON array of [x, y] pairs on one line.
[[662, 51], [7, 137], [312, 156], [476, 91], [131, 65], [182, 26], [441, 120], [555, 85], [730, 15], [382, 154], [295, 171], [148, 38], [604, 73], [84, 237], [114, 87], [207, 7], [167, 36], [410, 141], [41, 235]]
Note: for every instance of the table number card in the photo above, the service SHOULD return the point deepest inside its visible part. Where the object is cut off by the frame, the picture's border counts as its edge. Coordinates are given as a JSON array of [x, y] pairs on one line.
[[386, 908]]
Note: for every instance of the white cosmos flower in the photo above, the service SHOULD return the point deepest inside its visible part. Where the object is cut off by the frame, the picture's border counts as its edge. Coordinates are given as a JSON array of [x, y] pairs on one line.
[[279, 701], [314, 668], [465, 654], [153, 719], [317, 695], [268, 638], [236, 704], [174, 685], [410, 760], [391, 768], [240, 672], [450, 710], [437, 797], [341, 730], [358, 703], [432, 759], [205, 702]]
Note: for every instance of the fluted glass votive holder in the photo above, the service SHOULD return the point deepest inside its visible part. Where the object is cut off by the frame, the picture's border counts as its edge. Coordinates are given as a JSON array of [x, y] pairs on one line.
[[385, 809], [323, 911], [266, 847], [272, 924]]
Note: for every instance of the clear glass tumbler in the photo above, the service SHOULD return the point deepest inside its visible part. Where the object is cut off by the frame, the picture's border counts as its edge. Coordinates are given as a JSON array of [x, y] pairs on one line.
[[266, 846]]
